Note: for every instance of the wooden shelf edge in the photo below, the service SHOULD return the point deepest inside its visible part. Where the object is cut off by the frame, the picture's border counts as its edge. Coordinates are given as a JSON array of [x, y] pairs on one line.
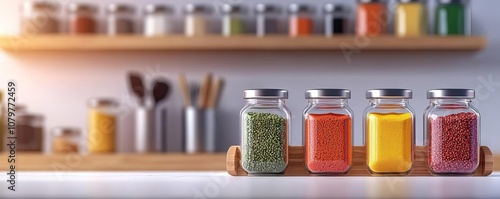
[[296, 162], [118, 162], [246, 42]]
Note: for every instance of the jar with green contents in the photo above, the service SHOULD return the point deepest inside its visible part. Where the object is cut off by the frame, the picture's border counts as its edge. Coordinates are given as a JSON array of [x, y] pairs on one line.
[[450, 18], [232, 20], [265, 127], [389, 125]]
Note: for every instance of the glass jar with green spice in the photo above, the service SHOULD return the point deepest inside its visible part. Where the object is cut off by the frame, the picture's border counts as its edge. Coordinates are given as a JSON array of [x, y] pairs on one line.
[[265, 128], [450, 18], [232, 20]]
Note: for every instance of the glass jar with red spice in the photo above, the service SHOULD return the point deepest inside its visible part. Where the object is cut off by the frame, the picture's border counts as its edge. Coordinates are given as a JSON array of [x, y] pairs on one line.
[[372, 18], [301, 22], [452, 132], [328, 132], [82, 19]]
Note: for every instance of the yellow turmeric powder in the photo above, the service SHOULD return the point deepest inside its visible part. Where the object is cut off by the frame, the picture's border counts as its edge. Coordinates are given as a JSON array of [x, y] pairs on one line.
[[389, 142]]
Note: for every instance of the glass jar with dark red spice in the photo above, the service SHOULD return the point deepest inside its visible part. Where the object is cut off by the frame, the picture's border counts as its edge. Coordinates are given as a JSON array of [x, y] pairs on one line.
[[328, 132], [82, 19], [452, 132]]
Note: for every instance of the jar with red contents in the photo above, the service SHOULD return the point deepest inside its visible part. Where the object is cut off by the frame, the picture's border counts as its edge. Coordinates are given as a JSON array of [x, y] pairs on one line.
[[300, 22], [328, 132], [452, 132], [82, 19]]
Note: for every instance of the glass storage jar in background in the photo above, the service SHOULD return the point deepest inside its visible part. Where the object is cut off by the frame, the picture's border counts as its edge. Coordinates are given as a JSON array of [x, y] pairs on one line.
[[39, 17], [450, 18], [157, 20], [29, 131], [265, 127], [328, 131], [232, 20], [389, 126], [371, 18], [301, 23], [411, 18], [82, 19], [102, 126], [267, 19], [66, 140], [120, 19], [452, 132], [196, 20], [336, 19]]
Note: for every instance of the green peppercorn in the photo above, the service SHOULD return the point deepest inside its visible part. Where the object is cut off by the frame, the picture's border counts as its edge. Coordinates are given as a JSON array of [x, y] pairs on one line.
[[264, 143]]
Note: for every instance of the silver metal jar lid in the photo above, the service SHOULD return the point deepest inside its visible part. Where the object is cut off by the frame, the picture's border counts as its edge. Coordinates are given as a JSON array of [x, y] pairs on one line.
[[65, 131], [119, 8], [410, 1], [452, 93], [296, 8], [155, 8], [389, 94], [451, 1], [228, 8], [328, 94], [102, 102], [369, 1], [81, 7], [265, 94], [39, 5], [333, 8], [196, 8], [266, 8]]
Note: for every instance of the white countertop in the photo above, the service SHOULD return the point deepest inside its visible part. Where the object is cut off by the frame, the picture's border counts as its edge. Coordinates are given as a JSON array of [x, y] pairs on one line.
[[221, 185]]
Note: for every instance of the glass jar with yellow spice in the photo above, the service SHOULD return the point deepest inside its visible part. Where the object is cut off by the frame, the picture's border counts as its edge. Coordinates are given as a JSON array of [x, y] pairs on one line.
[[389, 126], [102, 126]]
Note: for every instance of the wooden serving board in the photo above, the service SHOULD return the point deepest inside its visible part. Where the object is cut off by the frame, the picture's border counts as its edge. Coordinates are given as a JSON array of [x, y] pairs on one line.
[[296, 162]]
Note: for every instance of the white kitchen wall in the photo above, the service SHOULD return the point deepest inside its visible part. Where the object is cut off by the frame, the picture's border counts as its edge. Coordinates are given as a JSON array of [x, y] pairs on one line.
[[58, 84]]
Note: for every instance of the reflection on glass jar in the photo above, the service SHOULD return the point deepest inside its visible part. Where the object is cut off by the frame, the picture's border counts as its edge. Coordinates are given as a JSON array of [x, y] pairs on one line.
[[450, 18], [389, 126], [372, 18], [411, 18], [452, 132], [102, 126]]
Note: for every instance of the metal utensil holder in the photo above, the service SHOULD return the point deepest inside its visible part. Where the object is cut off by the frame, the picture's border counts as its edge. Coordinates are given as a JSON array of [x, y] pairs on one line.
[[199, 130]]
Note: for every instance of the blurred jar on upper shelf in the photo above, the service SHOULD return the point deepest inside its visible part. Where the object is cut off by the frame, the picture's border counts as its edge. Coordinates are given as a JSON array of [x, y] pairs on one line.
[[411, 18], [120, 18], [157, 20], [102, 120], [267, 20], [39, 17], [371, 18], [301, 22], [336, 19], [82, 18], [232, 20], [196, 20], [451, 17]]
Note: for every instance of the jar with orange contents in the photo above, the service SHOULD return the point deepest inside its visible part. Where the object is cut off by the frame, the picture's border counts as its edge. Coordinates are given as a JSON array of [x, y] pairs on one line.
[[371, 18], [328, 132], [301, 23]]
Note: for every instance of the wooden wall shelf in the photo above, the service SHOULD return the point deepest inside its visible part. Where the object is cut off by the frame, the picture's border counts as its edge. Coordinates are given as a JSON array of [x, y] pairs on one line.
[[117, 162], [296, 162], [250, 42]]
